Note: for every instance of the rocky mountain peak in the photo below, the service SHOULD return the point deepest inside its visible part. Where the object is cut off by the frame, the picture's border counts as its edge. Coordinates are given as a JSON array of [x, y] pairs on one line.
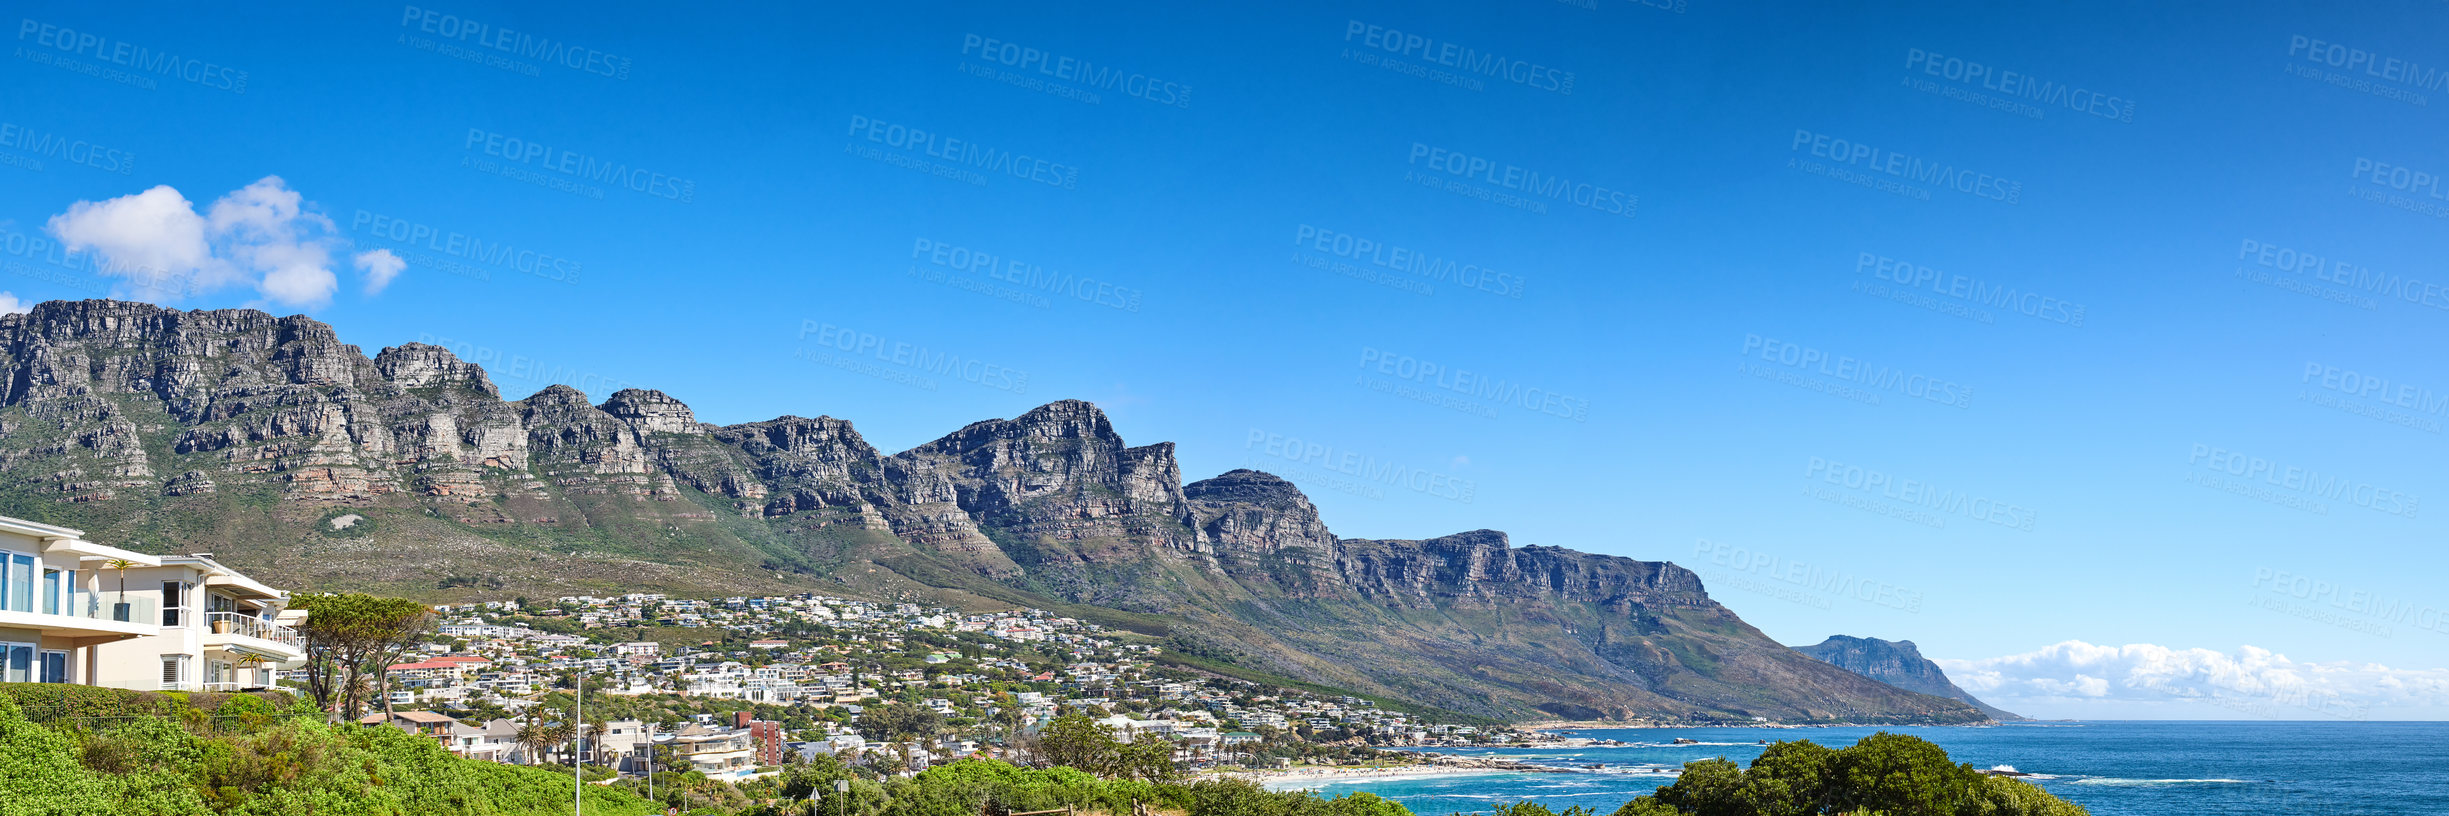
[[558, 396], [419, 365], [1897, 663], [797, 435], [1068, 419], [651, 412], [1245, 486]]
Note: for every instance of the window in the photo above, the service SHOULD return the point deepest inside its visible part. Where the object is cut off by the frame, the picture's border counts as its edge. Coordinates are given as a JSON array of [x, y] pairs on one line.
[[55, 667], [174, 672], [174, 600], [55, 586], [21, 583], [17, 662]]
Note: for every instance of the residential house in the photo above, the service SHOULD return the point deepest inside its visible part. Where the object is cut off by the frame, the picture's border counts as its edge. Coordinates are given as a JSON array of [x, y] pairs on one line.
[[495, 741], [426, 723], [57, 609], [728, 754], [765, 735], [219, 630]]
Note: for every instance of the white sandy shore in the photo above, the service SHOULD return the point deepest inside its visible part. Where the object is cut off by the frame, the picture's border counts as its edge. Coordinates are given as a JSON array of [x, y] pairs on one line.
[[1314, 778]]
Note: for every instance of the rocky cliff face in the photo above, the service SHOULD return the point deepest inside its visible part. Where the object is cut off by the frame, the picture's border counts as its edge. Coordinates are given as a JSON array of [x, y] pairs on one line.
[[1897, 663], [240, 432]]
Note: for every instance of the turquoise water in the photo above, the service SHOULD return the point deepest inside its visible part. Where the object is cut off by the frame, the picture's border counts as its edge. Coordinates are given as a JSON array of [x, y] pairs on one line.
[[2112, 768]]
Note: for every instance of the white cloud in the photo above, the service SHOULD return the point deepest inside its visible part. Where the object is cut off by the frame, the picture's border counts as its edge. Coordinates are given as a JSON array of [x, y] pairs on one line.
[[154, 239], [2078, 679], [9, 304], [263, 234], [380, 267]]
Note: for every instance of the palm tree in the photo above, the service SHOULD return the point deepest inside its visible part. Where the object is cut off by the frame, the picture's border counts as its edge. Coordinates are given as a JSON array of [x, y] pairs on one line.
[[539, 737], [118, 609], [531, 737], [249, 661]]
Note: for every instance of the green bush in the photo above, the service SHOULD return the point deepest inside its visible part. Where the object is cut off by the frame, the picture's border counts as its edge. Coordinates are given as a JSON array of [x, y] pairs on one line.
[[53, 700], [277, 766], [1888, 774]]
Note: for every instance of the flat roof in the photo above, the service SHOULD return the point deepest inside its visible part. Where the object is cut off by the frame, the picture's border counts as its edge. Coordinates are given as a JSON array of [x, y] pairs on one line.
[[90, 551], [37, 529], [222, 575]]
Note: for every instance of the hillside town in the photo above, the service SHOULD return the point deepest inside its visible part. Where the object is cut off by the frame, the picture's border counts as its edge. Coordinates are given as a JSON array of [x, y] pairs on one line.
[[741, 685], [732, 688]]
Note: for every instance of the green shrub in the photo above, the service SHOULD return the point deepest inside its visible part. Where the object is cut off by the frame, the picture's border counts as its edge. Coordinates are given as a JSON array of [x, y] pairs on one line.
[[245, 758], [48, 701], [1891, 774]]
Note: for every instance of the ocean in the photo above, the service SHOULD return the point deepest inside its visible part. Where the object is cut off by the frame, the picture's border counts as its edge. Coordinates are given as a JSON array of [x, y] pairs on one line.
[[2112, 768]]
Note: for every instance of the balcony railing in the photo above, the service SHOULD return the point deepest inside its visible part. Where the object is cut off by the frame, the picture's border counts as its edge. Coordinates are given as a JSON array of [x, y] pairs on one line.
[[108, 606], [233, 623]]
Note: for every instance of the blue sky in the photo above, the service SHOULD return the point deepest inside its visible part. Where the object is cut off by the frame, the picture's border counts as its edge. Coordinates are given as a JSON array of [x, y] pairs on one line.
[[1991, 328]]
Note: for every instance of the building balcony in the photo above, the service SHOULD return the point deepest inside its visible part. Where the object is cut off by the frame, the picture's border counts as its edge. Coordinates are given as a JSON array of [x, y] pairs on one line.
[[247, 634], [92, 616]]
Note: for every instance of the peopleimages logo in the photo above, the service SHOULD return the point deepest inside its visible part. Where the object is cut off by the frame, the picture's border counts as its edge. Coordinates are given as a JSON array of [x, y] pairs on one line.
[[1970, 289], [1851, 370], [1921, 494], [454, 244], [915, 357], [964, 154], [514, 43], [1810, 576], [577, 165], [2019, 85], [1527, 182], [130, 55], [36, 145], [1910, 168], [2381, 608], [1077, 71], [2378, 389], [2334, 55], [2400, 178], [1361, 466], [2300, 481], [1404, 259], [2359, 278], [1029, 276], [1465, 382], [1460, 57]]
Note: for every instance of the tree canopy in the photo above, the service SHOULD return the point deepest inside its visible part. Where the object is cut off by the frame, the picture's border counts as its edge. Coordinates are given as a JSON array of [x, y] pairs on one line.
[[352, 640], [1886, 774]]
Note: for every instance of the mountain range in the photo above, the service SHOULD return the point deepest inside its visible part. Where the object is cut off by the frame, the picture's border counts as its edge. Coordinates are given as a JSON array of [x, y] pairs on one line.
[[270, 443]]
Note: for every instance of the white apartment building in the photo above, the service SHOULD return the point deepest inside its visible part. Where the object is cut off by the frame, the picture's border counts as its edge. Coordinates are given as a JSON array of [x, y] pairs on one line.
[[216, 629], [56, 610], [728, 754]]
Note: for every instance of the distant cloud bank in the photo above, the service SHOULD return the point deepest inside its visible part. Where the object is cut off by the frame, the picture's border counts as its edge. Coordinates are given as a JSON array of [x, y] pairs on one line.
[[2075, 679]]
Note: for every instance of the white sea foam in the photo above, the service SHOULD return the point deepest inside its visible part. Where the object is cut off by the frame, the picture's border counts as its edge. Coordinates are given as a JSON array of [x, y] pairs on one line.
[[1311, 782], [1685, 744], [2109, 780]]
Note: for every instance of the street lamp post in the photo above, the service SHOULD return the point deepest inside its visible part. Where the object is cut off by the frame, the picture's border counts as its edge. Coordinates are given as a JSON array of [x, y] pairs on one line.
[[578, 741]]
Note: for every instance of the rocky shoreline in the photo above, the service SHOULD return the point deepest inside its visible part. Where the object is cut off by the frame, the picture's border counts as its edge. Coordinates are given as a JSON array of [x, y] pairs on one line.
[[1451, 762]]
